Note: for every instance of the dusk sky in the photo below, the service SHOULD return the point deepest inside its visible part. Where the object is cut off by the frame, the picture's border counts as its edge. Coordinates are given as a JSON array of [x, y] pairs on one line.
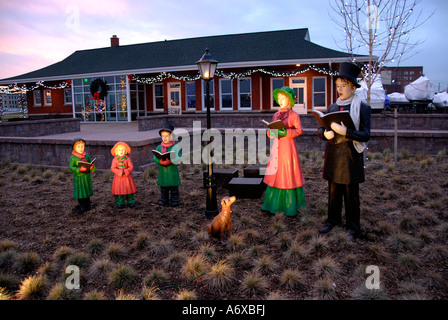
[[38, 33]]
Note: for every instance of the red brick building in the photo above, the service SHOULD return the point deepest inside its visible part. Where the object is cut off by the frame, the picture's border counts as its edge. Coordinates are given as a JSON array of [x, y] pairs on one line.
[[159, 77], [396, 78]]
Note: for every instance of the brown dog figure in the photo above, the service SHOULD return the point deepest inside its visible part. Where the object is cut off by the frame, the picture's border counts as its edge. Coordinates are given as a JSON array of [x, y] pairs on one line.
[[220, 226]]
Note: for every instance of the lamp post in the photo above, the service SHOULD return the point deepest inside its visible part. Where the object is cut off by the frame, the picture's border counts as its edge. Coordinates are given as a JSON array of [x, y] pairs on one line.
[[207, 66]]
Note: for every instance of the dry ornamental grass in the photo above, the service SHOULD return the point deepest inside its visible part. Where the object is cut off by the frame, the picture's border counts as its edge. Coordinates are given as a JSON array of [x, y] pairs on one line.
[[152, 252]]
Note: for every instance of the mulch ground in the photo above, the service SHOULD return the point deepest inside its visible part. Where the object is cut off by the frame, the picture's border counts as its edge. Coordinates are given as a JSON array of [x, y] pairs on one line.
[[403, 215]]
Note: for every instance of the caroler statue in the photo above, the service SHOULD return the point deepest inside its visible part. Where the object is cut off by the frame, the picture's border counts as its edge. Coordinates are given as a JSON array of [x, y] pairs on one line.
[[123, 185], [344, 159], [81, 166], [284, 178], [167, 156]]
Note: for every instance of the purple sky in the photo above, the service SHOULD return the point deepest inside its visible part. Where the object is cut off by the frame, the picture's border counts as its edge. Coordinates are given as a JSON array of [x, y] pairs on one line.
[[37, 33]]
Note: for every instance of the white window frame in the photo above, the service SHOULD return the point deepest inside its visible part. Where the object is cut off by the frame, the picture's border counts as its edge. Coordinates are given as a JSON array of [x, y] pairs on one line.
[[37, 104], [155, 97], [67, 93], [314, 92], [272, 90], [221, 94], [47, 104], [239, 93]]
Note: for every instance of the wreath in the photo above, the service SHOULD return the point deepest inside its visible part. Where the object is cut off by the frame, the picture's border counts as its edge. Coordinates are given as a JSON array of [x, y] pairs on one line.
[[98, 89]]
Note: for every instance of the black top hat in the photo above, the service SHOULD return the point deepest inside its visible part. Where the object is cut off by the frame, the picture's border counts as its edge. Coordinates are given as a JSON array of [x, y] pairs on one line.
[[168, 127], [349, 71]]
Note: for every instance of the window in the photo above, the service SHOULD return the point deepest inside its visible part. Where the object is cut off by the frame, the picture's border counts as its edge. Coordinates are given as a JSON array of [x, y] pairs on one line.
[[226, 94], [67, 96], [276, 83], [47, 97], [319, 92], [113, 108], [37, 98], [158, 96], [190, 94], [212, 95], [245, 96]]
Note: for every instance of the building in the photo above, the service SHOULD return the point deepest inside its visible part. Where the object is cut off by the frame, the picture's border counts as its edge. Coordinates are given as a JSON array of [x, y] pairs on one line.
[[396, 78], [160, 77]]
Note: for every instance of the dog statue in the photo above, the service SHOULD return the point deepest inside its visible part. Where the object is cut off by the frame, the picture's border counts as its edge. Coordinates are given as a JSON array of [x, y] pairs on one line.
[[220, 226]]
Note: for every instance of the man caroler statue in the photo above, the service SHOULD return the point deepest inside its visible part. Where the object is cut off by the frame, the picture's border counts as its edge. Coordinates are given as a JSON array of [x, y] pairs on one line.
[[344, 159]]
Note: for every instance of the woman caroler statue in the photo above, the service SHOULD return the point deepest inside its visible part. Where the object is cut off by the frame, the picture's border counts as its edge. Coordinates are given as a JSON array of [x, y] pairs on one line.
[[344, 160], [284, 178]]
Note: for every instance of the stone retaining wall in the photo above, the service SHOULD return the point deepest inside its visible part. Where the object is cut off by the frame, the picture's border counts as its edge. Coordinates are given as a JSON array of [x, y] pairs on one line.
[[253, 120], [37, 128]]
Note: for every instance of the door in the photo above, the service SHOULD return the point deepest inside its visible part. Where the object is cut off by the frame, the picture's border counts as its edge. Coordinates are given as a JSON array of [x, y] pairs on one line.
[[175, 102], [299, 87]]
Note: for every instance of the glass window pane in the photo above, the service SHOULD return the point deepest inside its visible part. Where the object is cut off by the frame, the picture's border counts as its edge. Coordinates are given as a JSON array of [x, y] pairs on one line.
[[244, 85], [191, 88], [159, 103], [245, 100], [158, 90], [174, 100], [226, 86], [226, 101], [319, 85], [277, 83], [109, 80], [191, 102], [319, 99]]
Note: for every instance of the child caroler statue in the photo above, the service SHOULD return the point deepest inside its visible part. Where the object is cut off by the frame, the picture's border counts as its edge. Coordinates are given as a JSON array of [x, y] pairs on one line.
[[81, 168], [284, 179], [168, 179], [123, 185], [344, 160]]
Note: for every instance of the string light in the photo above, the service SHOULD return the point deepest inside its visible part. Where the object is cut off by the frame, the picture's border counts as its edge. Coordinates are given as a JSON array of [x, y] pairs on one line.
[[14, 88], [232, 75]]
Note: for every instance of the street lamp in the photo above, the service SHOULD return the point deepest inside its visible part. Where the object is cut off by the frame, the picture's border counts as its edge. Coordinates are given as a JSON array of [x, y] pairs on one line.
[[207, 66]]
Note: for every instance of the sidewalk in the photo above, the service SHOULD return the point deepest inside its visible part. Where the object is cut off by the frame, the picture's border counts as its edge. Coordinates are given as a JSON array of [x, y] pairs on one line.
[[112, 132]]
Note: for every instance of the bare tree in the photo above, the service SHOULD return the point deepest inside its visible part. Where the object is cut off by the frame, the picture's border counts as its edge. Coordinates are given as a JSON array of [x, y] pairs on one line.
[[382, 27]]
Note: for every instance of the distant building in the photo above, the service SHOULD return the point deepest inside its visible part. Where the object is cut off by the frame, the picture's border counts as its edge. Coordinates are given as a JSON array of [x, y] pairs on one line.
[[161, 77], [396, 78], [11, 102]]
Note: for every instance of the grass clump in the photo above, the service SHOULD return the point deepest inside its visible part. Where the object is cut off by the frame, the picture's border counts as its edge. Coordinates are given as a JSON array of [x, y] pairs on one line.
[[324, 289], [325, 266], [156, 277], [292, 279], [100, 268], [95, 295], [175, 260], [62, 253], [185, 295], [60, 292], [122, 276], [79, 259], [32, 288], [27, 261], [195, 266], [254, 283], [95, 246], [220, 276], [266, 265]]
